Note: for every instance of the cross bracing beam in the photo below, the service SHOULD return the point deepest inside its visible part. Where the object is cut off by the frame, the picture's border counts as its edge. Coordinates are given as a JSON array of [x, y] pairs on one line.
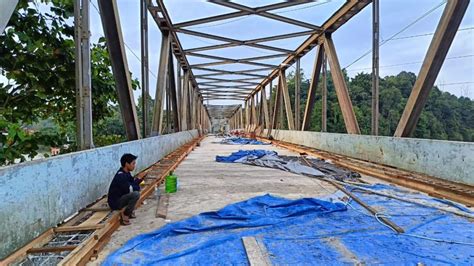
[[266, 14], [228, 72], [251, 41], [240, 13], [216, 83], [234, 41]]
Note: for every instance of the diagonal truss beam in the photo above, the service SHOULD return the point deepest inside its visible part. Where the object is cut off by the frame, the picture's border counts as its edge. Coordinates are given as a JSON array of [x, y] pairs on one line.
[[443, 38]]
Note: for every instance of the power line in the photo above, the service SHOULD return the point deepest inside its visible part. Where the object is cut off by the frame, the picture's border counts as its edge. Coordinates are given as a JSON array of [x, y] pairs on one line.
[[413, 63], [126, 45], [400, 31], [455, 83], [427, 34], [296, 9]]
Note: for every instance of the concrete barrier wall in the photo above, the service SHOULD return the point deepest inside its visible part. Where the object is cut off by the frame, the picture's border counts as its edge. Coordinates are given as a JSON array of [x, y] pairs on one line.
[[37, 195], [450, 160]]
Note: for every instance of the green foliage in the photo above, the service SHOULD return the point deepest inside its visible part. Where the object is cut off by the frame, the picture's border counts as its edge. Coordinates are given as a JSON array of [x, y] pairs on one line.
[[37, 57], [445, 116]]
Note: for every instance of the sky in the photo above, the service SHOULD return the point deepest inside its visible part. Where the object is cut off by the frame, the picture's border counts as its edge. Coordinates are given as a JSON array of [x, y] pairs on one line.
[[351, 40]]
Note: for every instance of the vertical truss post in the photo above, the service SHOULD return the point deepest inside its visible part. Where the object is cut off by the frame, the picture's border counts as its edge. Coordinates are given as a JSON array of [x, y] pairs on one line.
[[287, 100], [161, 85], [179, 90], [435, 56], [313, 86], [265, 108], [324, 96], [173, 94], [253, 112], [342, 92], [113, 34], [144, 64], [167, 97], [270, 106], [78, 68], [189, 103], [191, 107], [375, 67], [83, 76], [184, 101], [276, 106], [247, 116], [241, 119], [297, 94]]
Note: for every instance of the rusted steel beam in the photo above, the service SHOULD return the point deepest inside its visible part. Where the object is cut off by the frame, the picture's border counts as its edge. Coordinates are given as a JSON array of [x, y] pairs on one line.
[[443, 38], [313, 86], [341, 16], [340, 86]]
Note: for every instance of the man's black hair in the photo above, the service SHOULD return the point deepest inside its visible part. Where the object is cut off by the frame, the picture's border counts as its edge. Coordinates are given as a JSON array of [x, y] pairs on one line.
[[127, 158]]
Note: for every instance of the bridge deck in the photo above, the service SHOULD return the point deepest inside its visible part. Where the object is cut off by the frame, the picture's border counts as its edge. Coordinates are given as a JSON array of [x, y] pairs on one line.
[[206, 185]]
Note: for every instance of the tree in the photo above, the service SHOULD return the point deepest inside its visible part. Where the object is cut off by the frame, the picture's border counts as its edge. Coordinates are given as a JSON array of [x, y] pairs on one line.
[[37, 57]]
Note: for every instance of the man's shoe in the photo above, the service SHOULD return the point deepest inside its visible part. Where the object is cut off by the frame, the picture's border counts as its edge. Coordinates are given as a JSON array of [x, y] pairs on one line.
[[124, 219]]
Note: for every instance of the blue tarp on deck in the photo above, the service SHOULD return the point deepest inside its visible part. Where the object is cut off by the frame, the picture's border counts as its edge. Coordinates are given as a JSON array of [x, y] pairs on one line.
[[243, 141], [309, 231]]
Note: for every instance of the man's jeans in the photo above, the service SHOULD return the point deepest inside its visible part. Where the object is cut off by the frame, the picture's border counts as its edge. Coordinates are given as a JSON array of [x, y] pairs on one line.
[[129, 200]]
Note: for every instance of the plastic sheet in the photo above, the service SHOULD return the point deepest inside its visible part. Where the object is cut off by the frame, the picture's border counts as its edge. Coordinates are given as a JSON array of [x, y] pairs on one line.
[[242, 141], [309, 231], [294, 164]]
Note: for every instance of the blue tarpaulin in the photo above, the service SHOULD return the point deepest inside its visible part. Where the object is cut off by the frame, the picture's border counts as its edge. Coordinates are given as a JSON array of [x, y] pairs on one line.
[[243, 154], [309, 231], [243, 141]]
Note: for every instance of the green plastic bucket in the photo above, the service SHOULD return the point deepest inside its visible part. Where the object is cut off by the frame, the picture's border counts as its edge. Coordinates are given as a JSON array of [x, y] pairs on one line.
[[171, 183]]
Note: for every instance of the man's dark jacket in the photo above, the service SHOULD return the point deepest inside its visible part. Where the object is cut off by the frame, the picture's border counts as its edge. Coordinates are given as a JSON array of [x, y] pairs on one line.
[[121, 186]]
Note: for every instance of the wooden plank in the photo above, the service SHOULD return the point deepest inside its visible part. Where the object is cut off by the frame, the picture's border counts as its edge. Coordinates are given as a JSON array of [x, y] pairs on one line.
[[21, 253], [96, 218], [77, 228], [162, 208], [434, 59], [256, 254], [342, 92], [287, 100], [313, 86], [51, 249], [96, 209]]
